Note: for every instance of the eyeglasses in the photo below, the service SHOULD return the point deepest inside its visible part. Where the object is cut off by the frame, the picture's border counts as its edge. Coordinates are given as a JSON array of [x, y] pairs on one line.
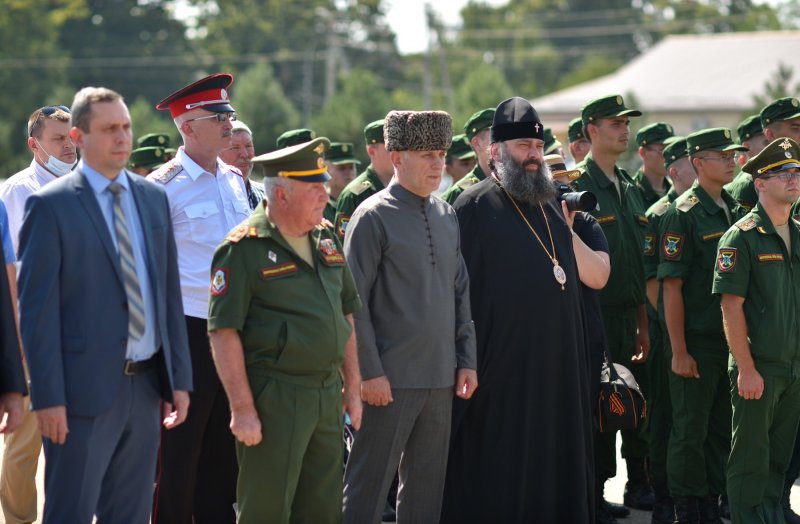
[[219, 117], [728, 159], [785, 176], [49, 110]]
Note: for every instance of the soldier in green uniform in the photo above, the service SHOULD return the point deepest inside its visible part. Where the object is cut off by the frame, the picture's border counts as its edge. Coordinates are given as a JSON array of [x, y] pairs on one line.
[[651, 178], [579, 145], [621, 213], [294, 137], [342, 169], [700, 438], [281, 329], [145, 160], [659, 406], [477, 131], [459, 160], [374, 178], [751, 136], [759, 283], [551, 144]]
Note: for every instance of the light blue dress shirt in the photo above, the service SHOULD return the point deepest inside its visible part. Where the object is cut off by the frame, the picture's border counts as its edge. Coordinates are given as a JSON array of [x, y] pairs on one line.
[[8, 247], [150, 342]]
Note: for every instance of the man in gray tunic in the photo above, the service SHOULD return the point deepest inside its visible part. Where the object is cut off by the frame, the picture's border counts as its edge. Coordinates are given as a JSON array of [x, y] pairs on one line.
[[416, 339]]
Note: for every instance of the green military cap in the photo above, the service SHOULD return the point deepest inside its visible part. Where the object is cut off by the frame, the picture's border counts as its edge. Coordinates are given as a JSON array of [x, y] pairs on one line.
[[606, 107], [713, 139], [153, 140], [478, 122], [460, 148], [655, 133], [551, 143], [779, 155], [169, 153], [373, 132], [294, 137], [575, 131], [340, 153], [148, 157], [749, 127], [781, 109], [304, 162], [675, 150]]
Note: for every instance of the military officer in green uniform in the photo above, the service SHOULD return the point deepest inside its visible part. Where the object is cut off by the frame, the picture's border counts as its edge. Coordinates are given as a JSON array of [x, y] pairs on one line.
[[374, 178], [293, 137], [621, 214], [281, 329], [751, 136], [700, 438], [651, 178], [659, 406], [477, 131], [551, 144], [579, 145], [758, 280], [459, 160], [342, 167]]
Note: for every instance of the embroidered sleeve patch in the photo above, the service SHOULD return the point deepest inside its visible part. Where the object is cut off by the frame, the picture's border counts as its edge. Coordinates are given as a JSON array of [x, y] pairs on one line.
[[673, 245], [649, 245], [219, 281], [770, 257], [727, 259], [342, 226], [279, 270]]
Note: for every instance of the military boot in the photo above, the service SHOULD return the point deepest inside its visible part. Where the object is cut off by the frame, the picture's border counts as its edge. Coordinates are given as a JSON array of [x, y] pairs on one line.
[[663, 509], [788, 515], [708, 507], [638, 493], [603, 514], [725, 507], [686, 510]]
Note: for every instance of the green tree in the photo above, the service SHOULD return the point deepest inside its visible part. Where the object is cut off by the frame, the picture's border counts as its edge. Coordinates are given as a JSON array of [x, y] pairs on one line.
[[146, 120], [485, 86]]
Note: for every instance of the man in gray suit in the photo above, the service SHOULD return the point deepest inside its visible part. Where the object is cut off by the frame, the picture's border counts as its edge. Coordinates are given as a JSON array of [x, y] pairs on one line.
[[102, 323]]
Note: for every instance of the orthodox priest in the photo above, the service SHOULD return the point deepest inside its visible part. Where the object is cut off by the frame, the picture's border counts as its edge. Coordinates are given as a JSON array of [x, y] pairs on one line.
[[521, 448]]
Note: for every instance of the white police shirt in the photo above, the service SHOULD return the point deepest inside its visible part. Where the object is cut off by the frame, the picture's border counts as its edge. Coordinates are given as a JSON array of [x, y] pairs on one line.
[[204, 208]]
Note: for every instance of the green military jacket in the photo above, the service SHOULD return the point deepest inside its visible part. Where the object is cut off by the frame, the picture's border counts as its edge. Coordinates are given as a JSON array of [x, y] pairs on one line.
[[691, 227], [471, 178], [649, 195], [653, 235], [359, 189], [291, 316], [625, 225], [743, 190], [753, 262], [329, 213]]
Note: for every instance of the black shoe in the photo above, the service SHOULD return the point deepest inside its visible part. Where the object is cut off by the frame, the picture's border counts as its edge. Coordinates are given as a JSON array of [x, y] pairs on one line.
[[708, 507], [639, 496], [788, 515], [663, 511], [603, 516], [389, 514], [616, 510], [686, 510], [725, 508]]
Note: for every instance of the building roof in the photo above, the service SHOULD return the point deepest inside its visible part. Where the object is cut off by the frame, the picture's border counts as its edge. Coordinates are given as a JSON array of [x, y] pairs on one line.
[[685, 73]]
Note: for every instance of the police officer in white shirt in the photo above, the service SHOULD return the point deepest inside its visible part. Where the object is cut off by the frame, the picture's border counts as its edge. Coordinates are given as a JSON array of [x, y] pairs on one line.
[[197, 463]]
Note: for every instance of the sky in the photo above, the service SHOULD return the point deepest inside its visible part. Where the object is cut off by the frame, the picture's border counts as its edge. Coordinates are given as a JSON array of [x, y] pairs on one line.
[[407, 20]]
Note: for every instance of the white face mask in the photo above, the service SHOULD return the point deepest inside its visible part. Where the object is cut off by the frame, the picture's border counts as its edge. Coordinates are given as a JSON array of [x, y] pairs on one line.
[[56, 166]]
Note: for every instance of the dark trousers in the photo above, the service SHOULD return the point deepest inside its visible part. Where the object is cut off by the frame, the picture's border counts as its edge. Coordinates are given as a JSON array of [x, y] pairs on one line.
[[106, 465], [197, 469]]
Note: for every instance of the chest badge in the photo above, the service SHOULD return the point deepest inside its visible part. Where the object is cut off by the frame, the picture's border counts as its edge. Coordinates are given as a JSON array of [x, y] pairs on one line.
[[330, 253], [272, 256]]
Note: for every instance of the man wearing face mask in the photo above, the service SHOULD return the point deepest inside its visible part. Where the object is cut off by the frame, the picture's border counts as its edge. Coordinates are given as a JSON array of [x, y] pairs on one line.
[[53, 156]]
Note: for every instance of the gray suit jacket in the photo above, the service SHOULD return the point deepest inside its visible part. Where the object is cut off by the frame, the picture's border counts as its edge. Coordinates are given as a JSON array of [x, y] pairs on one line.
[[73, 306]]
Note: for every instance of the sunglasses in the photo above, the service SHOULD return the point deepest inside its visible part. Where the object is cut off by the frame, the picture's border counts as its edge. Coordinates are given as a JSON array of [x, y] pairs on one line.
[[46, 112], [49, 110], [219, 117]]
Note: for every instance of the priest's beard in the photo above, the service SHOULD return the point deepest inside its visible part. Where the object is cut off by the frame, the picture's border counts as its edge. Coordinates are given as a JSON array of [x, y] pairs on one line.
[[532, 186]]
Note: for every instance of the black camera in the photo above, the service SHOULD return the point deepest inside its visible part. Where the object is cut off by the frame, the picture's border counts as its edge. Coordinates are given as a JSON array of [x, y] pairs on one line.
[[576, 200]]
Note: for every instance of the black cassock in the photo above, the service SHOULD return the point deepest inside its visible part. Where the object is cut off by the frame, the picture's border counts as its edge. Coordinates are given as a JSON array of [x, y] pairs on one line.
[[521, 448]]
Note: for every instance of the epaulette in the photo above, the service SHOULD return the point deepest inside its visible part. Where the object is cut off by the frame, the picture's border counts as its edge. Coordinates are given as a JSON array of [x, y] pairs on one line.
[[360, 188], [746, 224], [688, 203], [239, 232], [468, 182], [659, 208], [167, 172]]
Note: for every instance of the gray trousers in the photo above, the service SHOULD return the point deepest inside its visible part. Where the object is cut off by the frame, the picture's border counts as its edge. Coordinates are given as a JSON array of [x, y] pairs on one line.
[[412, 432]]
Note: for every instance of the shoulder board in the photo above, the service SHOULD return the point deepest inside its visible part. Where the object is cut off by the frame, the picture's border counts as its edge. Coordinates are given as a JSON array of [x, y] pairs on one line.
[[688, 203], [746, 225], [360, 188], [468, 182], [660, 208], [238, 233], [167, 172]]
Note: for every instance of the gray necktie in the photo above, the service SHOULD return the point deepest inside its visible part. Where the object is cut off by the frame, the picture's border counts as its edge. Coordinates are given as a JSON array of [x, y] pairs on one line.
[[132, 288]]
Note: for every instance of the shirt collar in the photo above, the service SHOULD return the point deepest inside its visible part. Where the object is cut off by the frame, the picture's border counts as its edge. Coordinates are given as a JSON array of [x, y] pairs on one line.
[[404, 195], [189, 165], [42, 172], [98, 182]]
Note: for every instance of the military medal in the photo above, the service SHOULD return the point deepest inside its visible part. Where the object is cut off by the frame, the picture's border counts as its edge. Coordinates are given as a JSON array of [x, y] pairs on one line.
[[558, 272]]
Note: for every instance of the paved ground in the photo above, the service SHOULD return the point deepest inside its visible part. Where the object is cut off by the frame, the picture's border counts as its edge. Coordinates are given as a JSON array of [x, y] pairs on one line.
[[614, 489]]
